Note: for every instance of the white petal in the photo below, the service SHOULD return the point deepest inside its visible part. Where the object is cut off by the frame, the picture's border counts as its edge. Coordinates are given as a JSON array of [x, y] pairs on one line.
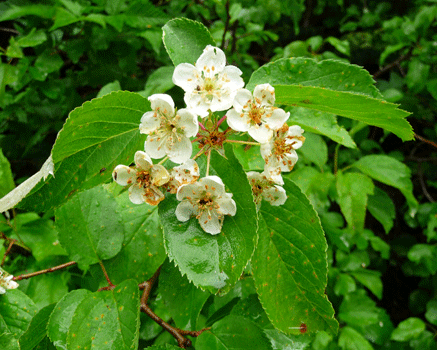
[[162, 102], [191, 191], [277, 118], [124, 175], [188, 122], [266, 149], [159, 174], [149, 123], [242, 100], [153, 195], [221, 103], [184, 210], [254, 176], [186, 76], [295, 130], [260, 133], [231, 78], [2, 290], [136, 194], [155, 148], [265, 93], [142, 160], [237, 121], [180, 151], [290, 160], [210, 222], [213, 183], [276, 195], [227, 205], [197, 104], [211, 61]]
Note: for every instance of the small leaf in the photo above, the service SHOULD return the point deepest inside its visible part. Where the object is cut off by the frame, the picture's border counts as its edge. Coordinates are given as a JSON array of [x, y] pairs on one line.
[[107, 320], [350, 339], [214, 262], [185, 40], [289, 266], [408, 329], [345, 284], [390, 171], [314, 150], [370, 279], [108, 88], [90, 227], [14, 12], [34, 38], [7, 183], [62, 316], [184, 305], [232, 333], [353, 189], [37, 330], [382, 208], [431, 311]]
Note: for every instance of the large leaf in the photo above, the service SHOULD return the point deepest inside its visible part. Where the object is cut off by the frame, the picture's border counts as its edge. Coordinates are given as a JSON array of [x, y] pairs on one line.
[[17, 310], [366, 109], [185, 40], [390, 171], [90, 227], [37, 330], [290, 266], [96, 137], [214, 262], [107, 320], [184, 305], [328, 74], [232, 333], [8, 341], [62, 316], [353, 189]]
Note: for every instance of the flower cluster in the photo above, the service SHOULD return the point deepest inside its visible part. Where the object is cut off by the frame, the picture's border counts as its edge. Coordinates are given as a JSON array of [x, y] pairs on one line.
[[210, 86], [6, 281]]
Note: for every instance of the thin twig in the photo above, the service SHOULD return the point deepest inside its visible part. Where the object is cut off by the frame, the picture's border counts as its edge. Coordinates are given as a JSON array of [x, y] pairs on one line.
[[51, 269], [244, 142], [432, 143], [228, 19], [395, 63], [208, 160], [106, 275], [422, 183], [11, 243], [9, 30]]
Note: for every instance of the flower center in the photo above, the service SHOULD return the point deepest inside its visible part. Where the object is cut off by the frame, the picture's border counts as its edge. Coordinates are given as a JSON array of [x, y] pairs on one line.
[[143, 178], [208, 85], [255, 114]]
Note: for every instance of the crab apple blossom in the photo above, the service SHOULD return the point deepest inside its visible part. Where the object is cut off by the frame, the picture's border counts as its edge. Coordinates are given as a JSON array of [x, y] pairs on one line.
[[145, 179], [169, 130], [209, 84], [6, 281], [279, 153], [183, 174], [256, 114], [265, 188], [208, 201]]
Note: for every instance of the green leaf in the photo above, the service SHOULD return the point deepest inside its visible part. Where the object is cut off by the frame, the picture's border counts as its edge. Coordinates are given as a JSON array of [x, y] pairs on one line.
[[17, 310], [90, 227], [431, 311], [345, 284], [232, 333], [95, 138], [408, 329], [350, 339], [370, 279], [249, 157], [185, 40], [183, 299], [382, 208], [390, 171], [163, 347], [107, 320], [143, 250], [48, 288], [328, 74], [34, 38], [314, 150], [62, 316], [63, 18], [159, 81], [356, 106], [48, 62], [280, 341], [353, 189], [417, 75], [426, 254], [9, 342], [37, 330], [342, 46], [320, 123], [214, 262], [357, 309], [289, 266], [14, 12], [7, 184], [108, 88]]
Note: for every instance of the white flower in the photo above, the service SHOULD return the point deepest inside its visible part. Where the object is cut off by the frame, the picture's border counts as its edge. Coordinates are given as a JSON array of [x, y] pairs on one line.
[[145, 179], [256, 114], [279, 153], [6, 281], [208, 201], [209, 84], [265, 188], [183, 174], [168, 131]]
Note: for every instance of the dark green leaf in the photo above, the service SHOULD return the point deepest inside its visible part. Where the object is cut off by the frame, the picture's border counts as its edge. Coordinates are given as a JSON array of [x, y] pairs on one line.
[[431, 311], [95, 138], [37, 330], [34, 38], [184, 305], [39, 10], [108, 88], [232, 333], [214, 262], [7, 183], [48, 288], [382, 208], [185, 40], [62, 316], [90, 227], [314, 150], [370, 279], [9, 342], [107, 320], [409, 329], [289, 266], [63, 18]]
